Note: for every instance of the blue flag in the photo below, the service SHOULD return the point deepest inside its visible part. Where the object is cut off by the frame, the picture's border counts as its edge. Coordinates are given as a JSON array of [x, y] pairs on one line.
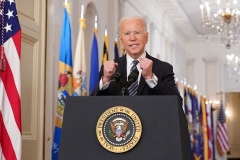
[[65, 81], [196, 127], [188, 114], [94, 64]]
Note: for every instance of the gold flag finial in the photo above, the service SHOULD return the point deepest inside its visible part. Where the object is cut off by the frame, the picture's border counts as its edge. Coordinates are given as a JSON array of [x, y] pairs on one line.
[[82, 23], [67, 5]]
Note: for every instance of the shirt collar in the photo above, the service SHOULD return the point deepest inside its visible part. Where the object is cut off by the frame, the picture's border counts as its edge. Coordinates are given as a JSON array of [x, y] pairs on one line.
[[130, 59]]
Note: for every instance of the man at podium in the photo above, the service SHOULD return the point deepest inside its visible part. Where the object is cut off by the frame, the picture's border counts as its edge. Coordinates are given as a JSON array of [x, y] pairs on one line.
[[135, 73]]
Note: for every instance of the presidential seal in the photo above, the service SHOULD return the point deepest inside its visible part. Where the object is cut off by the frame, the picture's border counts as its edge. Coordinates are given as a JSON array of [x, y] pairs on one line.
[[118, 129]]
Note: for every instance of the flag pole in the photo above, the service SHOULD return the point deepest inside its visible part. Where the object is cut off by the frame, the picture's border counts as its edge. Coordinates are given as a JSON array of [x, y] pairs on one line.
[[105, 31], [116, 37], [95, 21], [82, 11]]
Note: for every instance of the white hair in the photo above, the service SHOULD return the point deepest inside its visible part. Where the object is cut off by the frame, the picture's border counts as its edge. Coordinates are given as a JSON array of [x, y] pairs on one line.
[[133, 18]]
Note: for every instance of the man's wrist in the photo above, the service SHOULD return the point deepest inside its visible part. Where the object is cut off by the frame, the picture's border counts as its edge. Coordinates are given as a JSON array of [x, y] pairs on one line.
[[105, 80], [103, 86], [152, 82], [149, 77]]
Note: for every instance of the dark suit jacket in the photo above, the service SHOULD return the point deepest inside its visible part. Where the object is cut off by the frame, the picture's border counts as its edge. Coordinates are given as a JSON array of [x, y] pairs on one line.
[[163, 70]]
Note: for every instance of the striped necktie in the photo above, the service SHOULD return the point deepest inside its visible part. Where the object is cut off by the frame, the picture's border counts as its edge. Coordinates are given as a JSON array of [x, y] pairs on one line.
[[132, 90]]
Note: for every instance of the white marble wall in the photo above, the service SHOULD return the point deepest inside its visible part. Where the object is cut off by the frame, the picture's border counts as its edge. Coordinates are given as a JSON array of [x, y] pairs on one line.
[[190, 71], [200, 50]]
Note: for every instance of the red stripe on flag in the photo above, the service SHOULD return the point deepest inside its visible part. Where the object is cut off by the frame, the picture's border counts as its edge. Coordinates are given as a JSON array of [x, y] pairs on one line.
[[223, 136], [17, 41], [209, 143], [220, 148], [5, 142], [221, 139], [12, 93], [221, 142], [222, 132]]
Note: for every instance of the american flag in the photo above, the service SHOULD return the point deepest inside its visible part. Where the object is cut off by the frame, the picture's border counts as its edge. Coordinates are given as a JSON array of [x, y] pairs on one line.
[[222, 137], [10, 103]]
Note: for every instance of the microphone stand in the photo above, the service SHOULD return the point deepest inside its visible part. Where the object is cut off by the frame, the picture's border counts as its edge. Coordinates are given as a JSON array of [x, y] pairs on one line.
[[123, 91], [114, 83]]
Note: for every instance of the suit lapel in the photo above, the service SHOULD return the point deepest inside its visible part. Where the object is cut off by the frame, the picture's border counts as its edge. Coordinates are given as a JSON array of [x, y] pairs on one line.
[[122, 68], [141, 85]]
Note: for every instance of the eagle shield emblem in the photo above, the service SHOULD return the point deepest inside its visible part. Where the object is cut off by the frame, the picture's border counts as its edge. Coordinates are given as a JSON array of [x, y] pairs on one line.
[[119, 127]]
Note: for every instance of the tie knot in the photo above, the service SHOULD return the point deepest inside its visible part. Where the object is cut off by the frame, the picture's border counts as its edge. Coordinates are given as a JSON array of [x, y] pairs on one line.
[[134, 62]]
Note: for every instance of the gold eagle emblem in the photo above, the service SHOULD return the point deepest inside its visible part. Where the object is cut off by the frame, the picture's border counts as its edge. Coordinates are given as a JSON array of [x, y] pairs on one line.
[[119, 127]]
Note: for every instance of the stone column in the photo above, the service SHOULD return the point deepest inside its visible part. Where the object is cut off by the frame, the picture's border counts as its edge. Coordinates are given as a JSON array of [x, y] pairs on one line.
[[190, 71]]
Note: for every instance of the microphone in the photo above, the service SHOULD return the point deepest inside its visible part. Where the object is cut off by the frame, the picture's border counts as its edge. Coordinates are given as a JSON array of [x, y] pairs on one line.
[[133, 76], [116, 77]]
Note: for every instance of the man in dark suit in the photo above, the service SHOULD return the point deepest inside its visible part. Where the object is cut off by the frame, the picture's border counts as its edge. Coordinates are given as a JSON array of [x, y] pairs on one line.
[[155, 77]]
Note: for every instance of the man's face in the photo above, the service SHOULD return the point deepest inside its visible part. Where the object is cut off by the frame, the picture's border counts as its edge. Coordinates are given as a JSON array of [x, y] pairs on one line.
[[133, 37]]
